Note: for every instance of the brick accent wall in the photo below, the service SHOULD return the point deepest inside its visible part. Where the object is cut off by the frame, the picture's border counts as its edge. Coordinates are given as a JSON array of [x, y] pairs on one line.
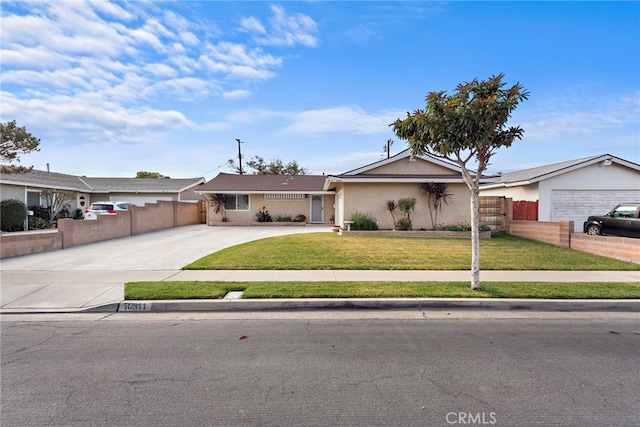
[[622, 248], [556, 233], [25, 243], [70, 233], [561, 234]]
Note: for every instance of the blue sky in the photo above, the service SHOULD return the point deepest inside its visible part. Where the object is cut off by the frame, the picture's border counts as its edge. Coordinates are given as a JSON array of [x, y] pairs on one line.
[[113, 88]]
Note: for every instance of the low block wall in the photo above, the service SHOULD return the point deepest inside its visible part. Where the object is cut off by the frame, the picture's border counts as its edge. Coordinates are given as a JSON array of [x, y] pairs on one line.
[[414, 233], [561, 234], [70, 233], [622, 248], [556, 233], [26, 242]]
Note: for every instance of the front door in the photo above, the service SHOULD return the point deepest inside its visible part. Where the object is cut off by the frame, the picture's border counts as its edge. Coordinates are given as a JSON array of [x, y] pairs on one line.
[[316, 210]]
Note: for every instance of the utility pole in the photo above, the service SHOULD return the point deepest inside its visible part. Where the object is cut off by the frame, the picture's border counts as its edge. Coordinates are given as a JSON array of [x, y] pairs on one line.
[[387, 147], [239, 154]]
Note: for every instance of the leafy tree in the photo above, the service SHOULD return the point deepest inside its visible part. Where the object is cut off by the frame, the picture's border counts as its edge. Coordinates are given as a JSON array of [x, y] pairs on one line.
[[13, 213], [436, 193], [14, 142], [258, 166], [153, 175], [467, 126]]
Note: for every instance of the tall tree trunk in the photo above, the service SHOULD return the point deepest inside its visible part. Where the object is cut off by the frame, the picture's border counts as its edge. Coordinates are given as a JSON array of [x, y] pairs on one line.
[[475, 238]]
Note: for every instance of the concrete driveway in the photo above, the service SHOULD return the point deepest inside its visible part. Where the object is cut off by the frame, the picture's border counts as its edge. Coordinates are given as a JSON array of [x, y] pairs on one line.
[[92, 275]]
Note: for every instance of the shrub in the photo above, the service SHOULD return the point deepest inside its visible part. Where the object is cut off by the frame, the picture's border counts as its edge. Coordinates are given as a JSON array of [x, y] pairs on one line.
[[301, 218], [403, 224], [462, 226], [263, 215], [12, 215], [77, 214], [36, 223], [282, 218], [363, 221]]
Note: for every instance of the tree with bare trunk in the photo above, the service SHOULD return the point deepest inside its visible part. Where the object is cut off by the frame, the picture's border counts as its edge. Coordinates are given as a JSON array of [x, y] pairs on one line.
[[56, 200]]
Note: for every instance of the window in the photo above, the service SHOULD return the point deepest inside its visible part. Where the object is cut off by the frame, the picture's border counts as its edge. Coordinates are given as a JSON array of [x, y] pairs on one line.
[[624, 212], [237, 202]]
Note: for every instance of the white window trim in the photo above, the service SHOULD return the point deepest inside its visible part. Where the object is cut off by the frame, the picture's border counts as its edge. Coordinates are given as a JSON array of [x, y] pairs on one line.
[[283, 197]]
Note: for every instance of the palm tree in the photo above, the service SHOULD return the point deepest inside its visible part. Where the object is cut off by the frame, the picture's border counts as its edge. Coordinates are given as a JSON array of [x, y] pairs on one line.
[[220, 205], [392, 206], [436, 193]]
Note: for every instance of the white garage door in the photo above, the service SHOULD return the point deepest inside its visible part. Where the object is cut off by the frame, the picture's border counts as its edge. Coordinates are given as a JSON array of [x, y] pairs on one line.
[[577, 205]]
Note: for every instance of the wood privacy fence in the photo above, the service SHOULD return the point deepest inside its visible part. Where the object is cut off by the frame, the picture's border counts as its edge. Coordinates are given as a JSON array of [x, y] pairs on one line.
[[493, 212], [525, 211]]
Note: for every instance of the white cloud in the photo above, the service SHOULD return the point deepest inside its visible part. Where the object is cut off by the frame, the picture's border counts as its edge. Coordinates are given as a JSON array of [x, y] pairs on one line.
[[283, 29], [581, 117], [237, 94], [342, 119]]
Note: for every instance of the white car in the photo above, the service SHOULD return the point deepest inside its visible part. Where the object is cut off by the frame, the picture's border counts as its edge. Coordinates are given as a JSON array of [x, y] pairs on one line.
[[105, 208]]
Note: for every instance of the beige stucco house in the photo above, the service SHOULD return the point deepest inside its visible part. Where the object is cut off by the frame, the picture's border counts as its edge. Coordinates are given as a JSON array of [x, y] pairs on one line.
[[333, 199]]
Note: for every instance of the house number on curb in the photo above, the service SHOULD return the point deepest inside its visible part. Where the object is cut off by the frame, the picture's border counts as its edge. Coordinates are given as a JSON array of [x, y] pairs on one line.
[[135, 306]]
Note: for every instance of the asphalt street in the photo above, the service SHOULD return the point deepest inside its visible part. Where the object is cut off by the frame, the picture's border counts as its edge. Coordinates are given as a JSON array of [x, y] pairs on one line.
[[151, 370]]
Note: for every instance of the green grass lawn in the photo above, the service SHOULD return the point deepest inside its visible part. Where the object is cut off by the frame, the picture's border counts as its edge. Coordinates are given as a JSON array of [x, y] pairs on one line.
[[214, 290], [318, 251]]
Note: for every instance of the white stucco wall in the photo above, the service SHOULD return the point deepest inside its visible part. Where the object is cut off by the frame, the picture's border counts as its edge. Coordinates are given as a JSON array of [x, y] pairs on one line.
[[594, 177], [521, 192]]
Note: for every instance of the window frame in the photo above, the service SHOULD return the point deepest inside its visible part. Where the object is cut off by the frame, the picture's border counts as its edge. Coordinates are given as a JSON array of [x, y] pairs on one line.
[[236, 207]]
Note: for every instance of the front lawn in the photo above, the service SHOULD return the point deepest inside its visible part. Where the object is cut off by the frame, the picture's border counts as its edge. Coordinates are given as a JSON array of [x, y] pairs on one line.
[[542, 290], [324, 251]]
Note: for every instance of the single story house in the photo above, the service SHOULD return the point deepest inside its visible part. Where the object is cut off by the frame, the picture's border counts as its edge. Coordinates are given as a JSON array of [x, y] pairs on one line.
[[333, 199], [280, 195], [572, 190], [27, 187]]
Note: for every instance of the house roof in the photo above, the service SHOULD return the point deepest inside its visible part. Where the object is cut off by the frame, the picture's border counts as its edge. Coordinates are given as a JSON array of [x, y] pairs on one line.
[[59, 181], [232, 183], [362, 174], [403, 155], [533, 175]]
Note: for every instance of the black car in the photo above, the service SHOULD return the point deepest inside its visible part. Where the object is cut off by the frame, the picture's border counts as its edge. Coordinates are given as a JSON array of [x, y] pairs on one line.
[[623, 220]]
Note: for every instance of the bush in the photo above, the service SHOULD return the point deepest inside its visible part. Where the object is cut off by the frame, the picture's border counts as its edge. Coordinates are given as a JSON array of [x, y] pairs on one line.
[[12, 215], [300, 218], [77, 214], [363, 221], [263, 215], [404, 224], [36, 223], [282, 218], [462, 226]]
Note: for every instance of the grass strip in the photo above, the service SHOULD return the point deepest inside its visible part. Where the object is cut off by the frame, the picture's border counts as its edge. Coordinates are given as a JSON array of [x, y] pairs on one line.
[[328, 251], [541, 290]]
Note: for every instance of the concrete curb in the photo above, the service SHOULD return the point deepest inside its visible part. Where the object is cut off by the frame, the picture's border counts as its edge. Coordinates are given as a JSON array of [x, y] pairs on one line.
[[379, 304], [310, 304]]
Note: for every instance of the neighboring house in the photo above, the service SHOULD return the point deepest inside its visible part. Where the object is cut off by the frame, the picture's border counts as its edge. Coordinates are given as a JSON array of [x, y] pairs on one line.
[[28, 187], [333, 199], [283, 195], [572, 190]]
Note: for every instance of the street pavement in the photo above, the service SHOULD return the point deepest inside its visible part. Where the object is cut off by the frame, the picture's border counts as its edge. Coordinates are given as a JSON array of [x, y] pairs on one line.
[[92, 277]]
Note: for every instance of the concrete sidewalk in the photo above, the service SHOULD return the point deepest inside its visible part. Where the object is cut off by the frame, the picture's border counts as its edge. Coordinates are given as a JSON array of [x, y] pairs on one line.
[[93, 276], [58, 291]]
